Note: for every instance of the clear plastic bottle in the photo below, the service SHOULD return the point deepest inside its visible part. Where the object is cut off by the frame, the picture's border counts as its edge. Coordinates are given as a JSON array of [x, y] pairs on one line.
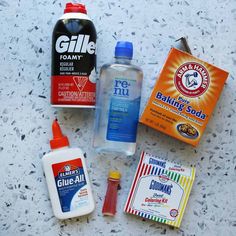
[[118, 103]]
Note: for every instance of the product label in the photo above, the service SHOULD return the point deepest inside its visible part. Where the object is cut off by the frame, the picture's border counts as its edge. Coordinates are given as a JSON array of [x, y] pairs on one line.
[[157, 199], [184, 97], [71, 184], [73, 80], [124, 110], [73, 90], [160, 190], [154, 161]]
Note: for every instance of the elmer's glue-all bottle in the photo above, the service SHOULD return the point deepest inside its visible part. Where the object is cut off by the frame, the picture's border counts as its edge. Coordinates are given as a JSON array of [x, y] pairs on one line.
[[73, 75], [67, 178]]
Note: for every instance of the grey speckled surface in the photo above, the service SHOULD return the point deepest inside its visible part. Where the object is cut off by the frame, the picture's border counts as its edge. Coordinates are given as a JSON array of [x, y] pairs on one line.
[[26, 115]]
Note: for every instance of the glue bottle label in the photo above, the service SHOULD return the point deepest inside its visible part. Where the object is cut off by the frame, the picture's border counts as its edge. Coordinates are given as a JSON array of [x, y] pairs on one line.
[[71, 184]]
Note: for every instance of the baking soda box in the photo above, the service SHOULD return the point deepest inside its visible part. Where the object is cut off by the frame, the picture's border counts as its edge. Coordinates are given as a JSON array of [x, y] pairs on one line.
[[184, 97], [160, 190]]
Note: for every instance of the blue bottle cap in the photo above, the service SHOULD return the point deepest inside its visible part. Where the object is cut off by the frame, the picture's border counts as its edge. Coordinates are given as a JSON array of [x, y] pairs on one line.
[[124, 49]]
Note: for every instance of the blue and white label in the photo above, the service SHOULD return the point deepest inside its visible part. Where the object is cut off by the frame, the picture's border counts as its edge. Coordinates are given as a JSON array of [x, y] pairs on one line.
[[123, 111], [71, 184]]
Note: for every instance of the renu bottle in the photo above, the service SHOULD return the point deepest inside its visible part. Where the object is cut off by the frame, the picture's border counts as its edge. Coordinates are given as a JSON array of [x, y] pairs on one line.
[[118, 103]]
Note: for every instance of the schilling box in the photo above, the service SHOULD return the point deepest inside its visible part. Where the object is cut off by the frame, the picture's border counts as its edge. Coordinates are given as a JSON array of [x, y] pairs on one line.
[[184, 97]]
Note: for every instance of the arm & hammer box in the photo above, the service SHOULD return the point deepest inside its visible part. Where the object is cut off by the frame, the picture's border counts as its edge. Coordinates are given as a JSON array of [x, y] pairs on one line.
[[184, 97]]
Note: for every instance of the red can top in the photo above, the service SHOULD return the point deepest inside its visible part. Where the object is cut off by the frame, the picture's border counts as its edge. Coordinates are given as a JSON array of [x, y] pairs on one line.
[[75, 7]]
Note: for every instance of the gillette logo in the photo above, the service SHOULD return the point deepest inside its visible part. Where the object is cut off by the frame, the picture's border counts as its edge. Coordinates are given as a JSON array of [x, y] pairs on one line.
[[77, 44]]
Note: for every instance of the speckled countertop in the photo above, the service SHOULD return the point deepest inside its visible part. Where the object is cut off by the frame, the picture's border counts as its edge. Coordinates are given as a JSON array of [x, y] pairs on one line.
[[26, 115]]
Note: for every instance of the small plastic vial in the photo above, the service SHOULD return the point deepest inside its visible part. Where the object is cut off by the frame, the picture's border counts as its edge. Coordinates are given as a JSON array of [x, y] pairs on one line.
[[113, 183], [118, 103], [67, 178]]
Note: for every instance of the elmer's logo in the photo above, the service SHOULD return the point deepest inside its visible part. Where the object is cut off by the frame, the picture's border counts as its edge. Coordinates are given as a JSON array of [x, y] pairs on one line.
[[192, 79], [68, 170]]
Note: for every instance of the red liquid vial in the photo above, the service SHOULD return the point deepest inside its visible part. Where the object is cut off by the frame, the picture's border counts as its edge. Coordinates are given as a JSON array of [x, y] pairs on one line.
[[109, 206]]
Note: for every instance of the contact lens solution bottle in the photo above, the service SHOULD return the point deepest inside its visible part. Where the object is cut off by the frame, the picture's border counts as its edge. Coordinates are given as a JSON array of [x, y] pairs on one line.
[[118, 103]]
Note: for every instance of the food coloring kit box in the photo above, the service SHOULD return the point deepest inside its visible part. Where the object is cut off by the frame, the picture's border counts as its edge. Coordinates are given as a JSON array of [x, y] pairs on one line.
[[184, 97], [160, 190]]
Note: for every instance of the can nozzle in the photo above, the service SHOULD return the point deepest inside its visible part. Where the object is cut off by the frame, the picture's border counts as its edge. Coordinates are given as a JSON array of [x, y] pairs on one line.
[[75, 7], [59, 140]]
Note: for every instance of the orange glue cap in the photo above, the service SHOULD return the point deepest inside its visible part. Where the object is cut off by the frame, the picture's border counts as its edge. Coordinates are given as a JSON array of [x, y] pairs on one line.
[[59, 140]]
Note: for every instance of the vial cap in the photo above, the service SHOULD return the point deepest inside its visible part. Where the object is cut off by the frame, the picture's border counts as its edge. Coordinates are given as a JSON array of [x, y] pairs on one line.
[[114, 174]]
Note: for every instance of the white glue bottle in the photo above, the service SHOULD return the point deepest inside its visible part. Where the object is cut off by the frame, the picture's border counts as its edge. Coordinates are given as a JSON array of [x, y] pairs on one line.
[[67, 178]]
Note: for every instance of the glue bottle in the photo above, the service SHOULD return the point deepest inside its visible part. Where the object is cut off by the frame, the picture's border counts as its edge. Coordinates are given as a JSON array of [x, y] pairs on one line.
[[67, 178]]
